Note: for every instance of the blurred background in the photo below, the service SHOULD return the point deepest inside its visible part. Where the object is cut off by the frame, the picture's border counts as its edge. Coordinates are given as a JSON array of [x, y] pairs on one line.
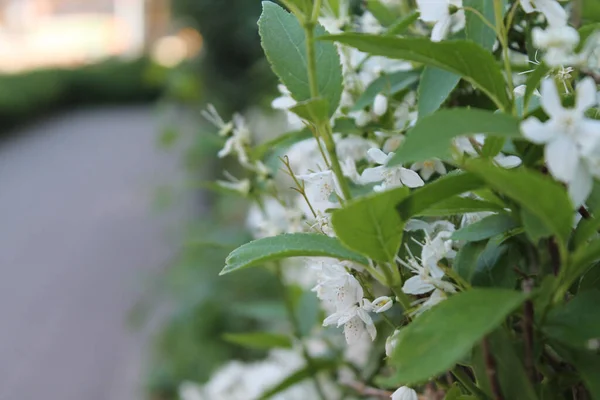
[[110, 241]]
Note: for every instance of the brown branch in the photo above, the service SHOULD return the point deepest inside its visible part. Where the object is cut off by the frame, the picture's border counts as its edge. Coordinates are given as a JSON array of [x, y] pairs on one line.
[[491, 371], [554, 256], [585, 214]]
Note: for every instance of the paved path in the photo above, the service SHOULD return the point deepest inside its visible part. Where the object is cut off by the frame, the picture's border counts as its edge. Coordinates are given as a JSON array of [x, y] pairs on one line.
[[78, 238]]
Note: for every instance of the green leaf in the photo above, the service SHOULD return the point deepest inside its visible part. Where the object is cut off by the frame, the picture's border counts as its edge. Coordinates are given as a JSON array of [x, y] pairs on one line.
[[583, 258], [382, 13], [476, 29], [279, 247], [316, 366], [538, 193], [591, 280], [576, 322], [313, 110], [388, 85], [435, 87], [512, 377], [486, 228], [454, 393], [590, 10], [492, 146], [402, 24], [436, 192], [585, 230], [431, 136], [461, 57], [494, 266], [442, 336], [465, 263], [534, 226], [370, 224], [259, 340], [458, 205], [283, 41]]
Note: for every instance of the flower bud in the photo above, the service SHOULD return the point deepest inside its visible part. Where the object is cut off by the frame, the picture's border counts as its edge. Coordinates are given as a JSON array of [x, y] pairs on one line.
[[404, 393], [380, 105], [382, 304]]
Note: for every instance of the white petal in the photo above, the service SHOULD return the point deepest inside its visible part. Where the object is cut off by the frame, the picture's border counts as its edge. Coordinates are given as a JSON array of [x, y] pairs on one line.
[[562, 158], [581, 186], [507, 161], [550, 98], [426, 172], [416, 285], [432, 10], [405, 393], [586, 95], [371, 175], [527, 6], [378, 156], [440, 168], [553, 11], [440, 29], [536, 131], [380, 105], [410, 178], [353, 330]]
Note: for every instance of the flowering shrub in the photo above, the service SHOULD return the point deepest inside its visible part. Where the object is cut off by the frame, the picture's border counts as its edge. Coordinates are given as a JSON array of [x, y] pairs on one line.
[[436, 193]]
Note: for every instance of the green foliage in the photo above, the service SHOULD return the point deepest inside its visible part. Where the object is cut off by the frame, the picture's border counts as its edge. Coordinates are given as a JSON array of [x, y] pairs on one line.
[[458, 205], [313, 110], [431, 136], [259, 340], [463, 58], [438, 339], [435, 87], [284, 43], [388, 85], [477, 30], [486, 228], [370, 225], [279, 247], [465, 263]]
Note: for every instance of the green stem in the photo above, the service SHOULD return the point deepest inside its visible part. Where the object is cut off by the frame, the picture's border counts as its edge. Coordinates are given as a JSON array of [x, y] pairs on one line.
[[466, 381], [402, 298], [311, 60], [503, 37], [289, 306], [316, 11]]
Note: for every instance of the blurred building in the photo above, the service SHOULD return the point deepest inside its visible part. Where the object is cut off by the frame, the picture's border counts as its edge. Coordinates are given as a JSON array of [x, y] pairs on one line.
[[40, 33]]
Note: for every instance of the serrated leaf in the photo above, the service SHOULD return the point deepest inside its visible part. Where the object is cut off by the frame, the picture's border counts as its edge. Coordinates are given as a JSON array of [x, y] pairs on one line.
[[431, 136], [458, 205], [434, 88], [576, 322], [283, 41], [460, 57], [388, 85], [370, 225], [317, 366], [436, 192], [259, 340], [285, 246], [538, 193], [442, 336], [476, 29], [485, 228], [465, 263], [312, 110]]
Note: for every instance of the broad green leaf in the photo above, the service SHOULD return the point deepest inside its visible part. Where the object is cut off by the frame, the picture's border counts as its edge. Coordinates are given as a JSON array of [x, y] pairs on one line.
[[458, 205], [284, 246], [591, 280], [313, 110], [486, 228], [494, 266], [370, 225], [512, 376], [283, 41], [585, 230], [402, 24], [442, 336], [437, 192], [461, 57], [539, 194], [434, 88], [431, 136], [477, 30], [465, 263], [534, 226], [259, 340], [576, 322], [388, 85], [492, 146], [317, 366]]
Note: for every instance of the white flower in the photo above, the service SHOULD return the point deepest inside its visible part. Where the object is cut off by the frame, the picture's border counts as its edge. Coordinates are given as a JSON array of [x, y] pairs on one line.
[[404, 393], [273, 219], [391, 342], [214, 118], [285, 102], [438, 12], [464, 146], [242, 186], [426, 279], [568, 136], [392, 177], [369, 24], [552, 10], [434, 299], [380, 104], [519, 91], [321, 185], [559, 43], [436, 249], [238, 141], [379, 305], [427, 168]]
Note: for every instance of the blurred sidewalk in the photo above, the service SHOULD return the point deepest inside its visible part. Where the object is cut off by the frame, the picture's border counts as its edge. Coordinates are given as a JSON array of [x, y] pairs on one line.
[[78, 241]]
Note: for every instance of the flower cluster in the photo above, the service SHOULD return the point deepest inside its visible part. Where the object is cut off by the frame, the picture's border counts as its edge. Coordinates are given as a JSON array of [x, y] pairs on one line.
[[386, 235]]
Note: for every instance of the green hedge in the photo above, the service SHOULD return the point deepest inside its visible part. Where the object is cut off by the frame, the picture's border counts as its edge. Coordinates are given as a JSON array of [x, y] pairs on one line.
[[28, 95]]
